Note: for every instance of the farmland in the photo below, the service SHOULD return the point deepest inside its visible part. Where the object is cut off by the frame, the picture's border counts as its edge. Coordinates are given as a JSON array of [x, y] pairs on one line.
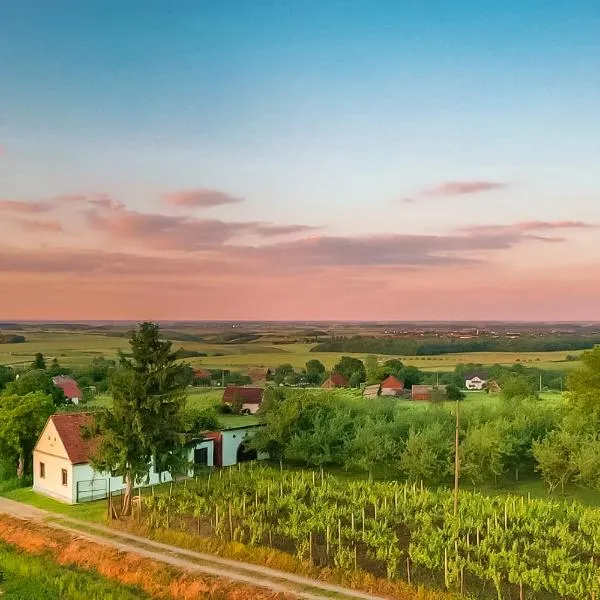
[[74, 348]]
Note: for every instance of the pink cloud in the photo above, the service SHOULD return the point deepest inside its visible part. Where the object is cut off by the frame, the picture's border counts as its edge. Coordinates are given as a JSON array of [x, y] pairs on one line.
[[199, 198], [462, 188], [38, 226], [20, 206], [528, 226]]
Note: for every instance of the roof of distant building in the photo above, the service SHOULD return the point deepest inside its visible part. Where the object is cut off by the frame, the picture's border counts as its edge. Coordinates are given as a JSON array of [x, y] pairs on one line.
[[391, 382], [68, 385], [250, 395]]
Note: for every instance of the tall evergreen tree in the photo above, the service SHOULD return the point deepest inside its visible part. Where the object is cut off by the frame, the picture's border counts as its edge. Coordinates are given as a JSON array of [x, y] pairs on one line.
[[39, 362], [146, 421]]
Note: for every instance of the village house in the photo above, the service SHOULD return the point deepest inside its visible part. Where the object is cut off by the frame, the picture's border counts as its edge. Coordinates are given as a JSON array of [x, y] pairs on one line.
[[476, 380], [62, 469], [335, 380], [392, 386], [250, 397], [69, 387], [422, 392], [202, 374]]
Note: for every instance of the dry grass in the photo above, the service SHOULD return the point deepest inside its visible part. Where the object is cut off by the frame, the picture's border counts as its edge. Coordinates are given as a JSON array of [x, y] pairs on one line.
[[156, 579]]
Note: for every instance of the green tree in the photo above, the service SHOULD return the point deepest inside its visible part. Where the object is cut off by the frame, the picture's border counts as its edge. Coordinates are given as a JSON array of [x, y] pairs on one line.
[[427, 454], [411, 376], [36, 380], [6, 376], [555, 456], [315, 371], [348, 366], [55, 369], [482, 453], [371, 366], [519, 386], [584, 386], [371, 445], [22, 419], [453, 392], [39, 362], [147, 419]]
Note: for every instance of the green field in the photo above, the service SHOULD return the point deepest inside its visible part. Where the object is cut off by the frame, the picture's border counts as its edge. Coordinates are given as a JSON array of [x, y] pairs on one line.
[[79, 348]]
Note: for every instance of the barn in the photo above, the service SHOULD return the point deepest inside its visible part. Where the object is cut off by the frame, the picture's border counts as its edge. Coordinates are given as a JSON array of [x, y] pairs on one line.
[[392, 386], [250, 397], [335, 380]]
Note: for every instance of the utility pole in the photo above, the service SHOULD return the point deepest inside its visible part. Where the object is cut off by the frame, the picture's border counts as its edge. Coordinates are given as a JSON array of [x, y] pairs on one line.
[[540, 383], [222, 377], [456, 458], [437, 379]]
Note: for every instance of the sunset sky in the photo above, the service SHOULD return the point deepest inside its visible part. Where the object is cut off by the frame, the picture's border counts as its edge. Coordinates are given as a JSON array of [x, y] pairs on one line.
[[300, 159]]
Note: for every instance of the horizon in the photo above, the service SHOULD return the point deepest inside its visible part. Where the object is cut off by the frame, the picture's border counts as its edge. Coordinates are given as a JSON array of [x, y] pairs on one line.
[[364, 162]]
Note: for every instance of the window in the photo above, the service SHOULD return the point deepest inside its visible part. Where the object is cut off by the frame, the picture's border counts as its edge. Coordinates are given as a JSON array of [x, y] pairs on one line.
[[64, 476], [42, 470]]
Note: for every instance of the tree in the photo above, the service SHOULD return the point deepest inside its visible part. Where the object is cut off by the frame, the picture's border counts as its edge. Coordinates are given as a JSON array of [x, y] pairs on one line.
[[426, 454], [370, 446], [39, 362], [453, 392], [6, 376], [411, 376], [519, 386], [36, 380], [371, 366], [584, 385], [282, 371], [237, 403], [315, 371], [22, 419], [55, 368], [482, 453], [146, 421], [555, 457], [348, 365]]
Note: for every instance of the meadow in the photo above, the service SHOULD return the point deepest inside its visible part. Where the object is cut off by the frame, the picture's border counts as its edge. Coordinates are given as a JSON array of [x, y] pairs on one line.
[[75, 349]]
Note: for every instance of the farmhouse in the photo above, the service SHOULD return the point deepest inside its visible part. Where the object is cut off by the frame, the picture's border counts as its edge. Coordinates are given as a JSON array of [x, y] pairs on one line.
[[62, 469], [476, 380], [335, 380], [202, 373], [392, 386], [69, 387], [421, 392], [251, 398]]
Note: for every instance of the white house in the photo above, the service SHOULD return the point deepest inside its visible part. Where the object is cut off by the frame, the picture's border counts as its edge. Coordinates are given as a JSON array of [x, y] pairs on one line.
[[476, 381], [61, 467]]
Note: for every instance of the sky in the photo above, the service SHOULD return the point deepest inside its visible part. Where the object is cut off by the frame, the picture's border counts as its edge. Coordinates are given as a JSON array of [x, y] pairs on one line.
[[300, 160]]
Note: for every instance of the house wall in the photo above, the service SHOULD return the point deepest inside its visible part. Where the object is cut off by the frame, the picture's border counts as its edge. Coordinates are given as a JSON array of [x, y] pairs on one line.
[[475, 384], [251, 407], [232, 439], [51, 485], [210, 446]]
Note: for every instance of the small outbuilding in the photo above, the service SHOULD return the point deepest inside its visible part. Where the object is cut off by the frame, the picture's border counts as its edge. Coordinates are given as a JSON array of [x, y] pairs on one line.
[[335, 380], [392, 386], [250, 398], [69, 387], [422, 392]]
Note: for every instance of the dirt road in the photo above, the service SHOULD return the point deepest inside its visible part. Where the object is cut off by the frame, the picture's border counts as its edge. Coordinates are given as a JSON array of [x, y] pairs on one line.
[[257, 575]]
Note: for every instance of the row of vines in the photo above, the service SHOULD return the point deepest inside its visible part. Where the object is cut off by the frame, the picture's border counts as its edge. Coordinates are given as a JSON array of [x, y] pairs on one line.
[[507, 547]]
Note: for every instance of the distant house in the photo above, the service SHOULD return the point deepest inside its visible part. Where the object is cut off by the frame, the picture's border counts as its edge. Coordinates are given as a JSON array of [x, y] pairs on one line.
[[202, 373], [476, 380], [69, 387], [251, 397], [371, 391], [392, 386], [335, 380], [62, 469], [421, 392]]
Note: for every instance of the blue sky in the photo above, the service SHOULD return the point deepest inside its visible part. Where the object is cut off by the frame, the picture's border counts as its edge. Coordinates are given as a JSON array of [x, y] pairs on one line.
[[323, 113]]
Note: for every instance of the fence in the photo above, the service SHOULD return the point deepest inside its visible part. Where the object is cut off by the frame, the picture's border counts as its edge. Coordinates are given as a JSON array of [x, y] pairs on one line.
[[92, 489]]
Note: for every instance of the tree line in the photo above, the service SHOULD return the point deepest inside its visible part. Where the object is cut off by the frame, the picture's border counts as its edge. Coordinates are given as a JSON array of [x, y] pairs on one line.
[[431, 346]]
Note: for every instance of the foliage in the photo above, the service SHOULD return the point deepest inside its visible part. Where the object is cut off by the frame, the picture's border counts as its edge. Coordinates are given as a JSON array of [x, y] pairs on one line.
[[11, 338], [518, 386], [423, 346], [146, 420], [36, 381], [543, 546], [427, 453], [315, 371], [22, 419], [453, 392], [39, 362], [348, 366], [6, 376]]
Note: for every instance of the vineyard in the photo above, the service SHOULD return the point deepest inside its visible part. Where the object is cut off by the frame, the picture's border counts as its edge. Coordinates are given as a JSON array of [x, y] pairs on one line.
[[495, 547]]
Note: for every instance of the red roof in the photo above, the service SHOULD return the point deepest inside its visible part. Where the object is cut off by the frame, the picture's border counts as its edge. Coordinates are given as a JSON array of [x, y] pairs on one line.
[[249, 395], [68, 385], [202, 373], [68, 427], [393, 383], [337, 380]]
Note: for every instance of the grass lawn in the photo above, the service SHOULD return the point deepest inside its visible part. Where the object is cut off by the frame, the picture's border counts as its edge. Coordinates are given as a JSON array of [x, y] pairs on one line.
[[88, 511]]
